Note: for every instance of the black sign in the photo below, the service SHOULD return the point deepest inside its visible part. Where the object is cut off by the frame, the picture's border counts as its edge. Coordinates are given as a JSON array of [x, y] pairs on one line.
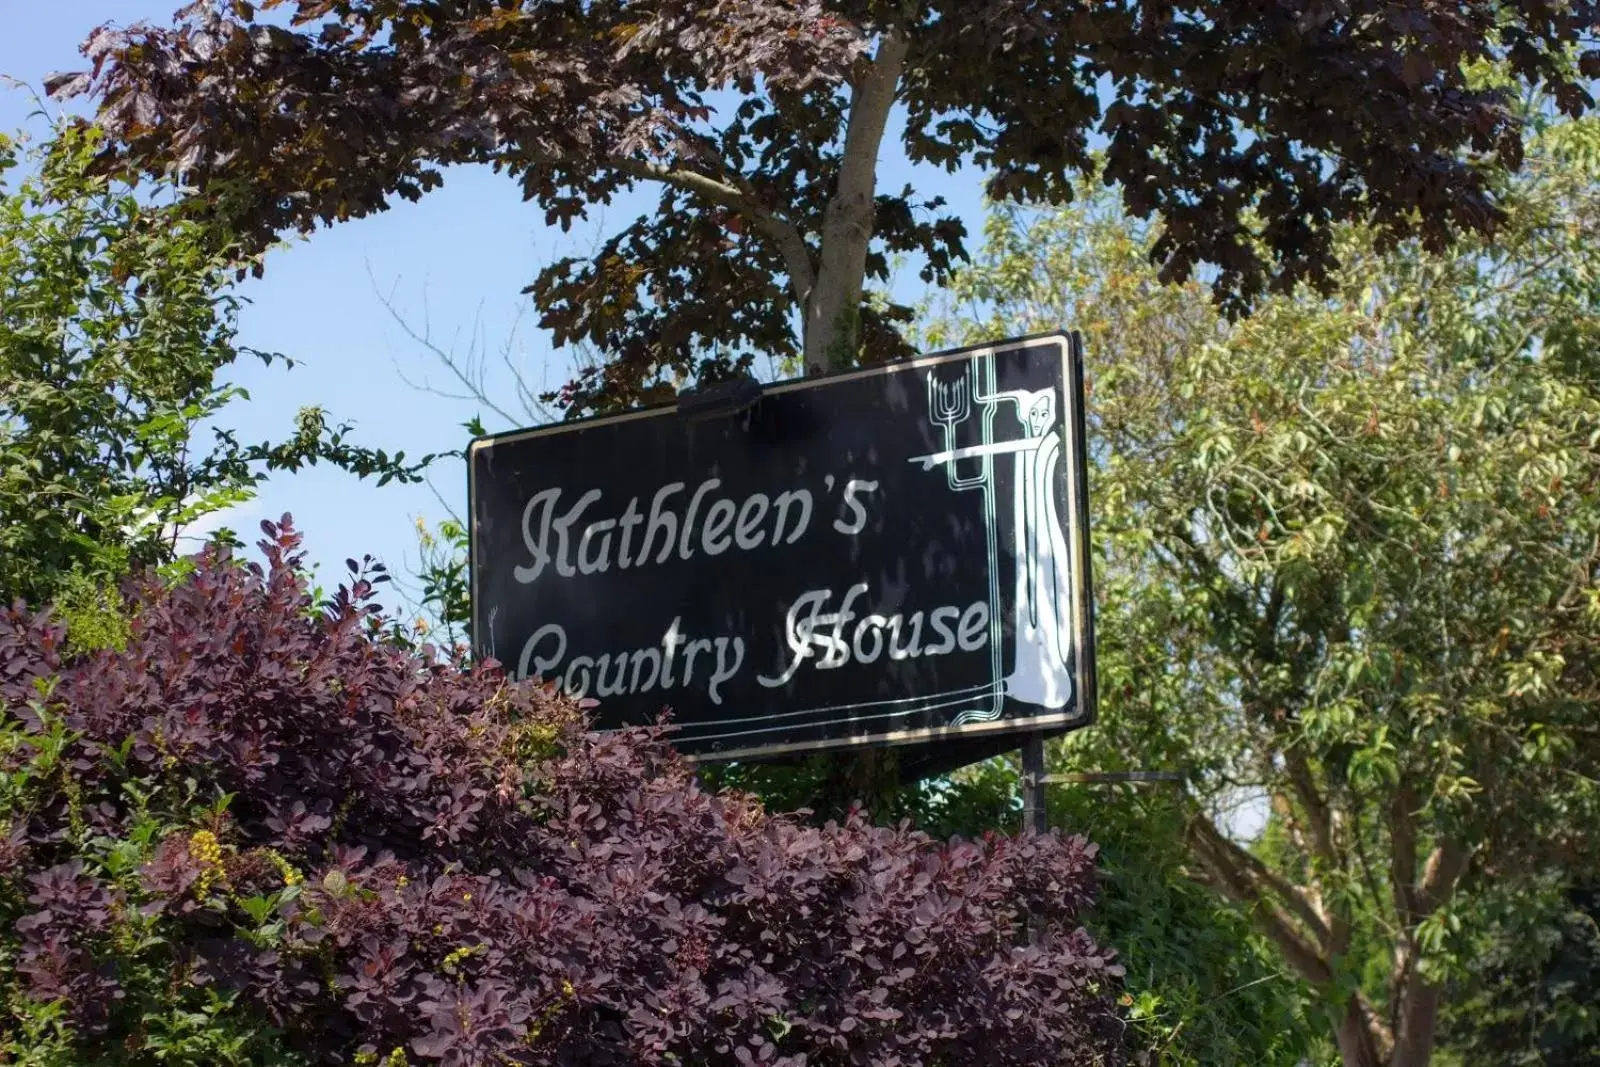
[[890, 555]]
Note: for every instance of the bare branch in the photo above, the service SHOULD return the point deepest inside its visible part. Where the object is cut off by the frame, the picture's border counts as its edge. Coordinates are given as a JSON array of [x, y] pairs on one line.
[[738, 196], [1446, 864], [475, 390], [1240, 876]]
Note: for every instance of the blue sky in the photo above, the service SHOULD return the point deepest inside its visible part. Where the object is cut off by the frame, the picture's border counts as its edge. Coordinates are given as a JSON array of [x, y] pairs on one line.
[[456, 261]]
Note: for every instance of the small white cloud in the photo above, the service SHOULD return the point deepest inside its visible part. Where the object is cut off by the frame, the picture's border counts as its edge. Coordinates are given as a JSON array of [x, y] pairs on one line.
[[236, 517]]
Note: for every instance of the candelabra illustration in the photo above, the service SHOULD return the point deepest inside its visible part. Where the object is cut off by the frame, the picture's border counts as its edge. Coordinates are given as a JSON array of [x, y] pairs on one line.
[[1039, 672]]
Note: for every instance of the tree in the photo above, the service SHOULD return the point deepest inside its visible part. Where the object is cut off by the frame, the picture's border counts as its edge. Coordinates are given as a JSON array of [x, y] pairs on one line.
[[1253, 129], [255, 831], [116, 320], [1348, 571]]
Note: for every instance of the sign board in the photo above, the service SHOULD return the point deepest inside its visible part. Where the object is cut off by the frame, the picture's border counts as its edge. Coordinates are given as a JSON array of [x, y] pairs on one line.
[[892, 555]]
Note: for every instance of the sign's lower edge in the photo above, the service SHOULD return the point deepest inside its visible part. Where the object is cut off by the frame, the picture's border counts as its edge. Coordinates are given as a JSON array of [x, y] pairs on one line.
[[1019, 726]]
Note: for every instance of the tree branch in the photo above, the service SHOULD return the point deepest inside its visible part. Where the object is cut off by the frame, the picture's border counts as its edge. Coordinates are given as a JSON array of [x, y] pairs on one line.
[[731, 193], [1403, 855], [1240, 876], [1446, 864], [1416, 1000], [1310, 799], [737, 197]]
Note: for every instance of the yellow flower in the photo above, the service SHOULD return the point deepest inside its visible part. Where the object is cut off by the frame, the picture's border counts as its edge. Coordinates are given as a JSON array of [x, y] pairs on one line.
[[289, 875], [455, 957], [204, 846], [206, 850]]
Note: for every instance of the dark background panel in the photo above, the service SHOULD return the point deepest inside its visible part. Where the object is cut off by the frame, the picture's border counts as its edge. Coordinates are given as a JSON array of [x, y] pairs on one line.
[[923, 547]]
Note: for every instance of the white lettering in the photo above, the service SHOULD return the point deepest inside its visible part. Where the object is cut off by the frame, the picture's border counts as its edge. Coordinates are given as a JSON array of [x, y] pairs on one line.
[[838, 653], [615, 685], [801, 497], [664, 522], [639, 670], [724, 669], [690, 651], [808, 629], [563, 541], [529, 665], [798, 634], [748, 534], [640, 657], [594, 566], [539, 548], [536, 545], [872, 626], [858, 520], [714, 538], [946, 635], [914, 648], [973, 631], [669, 644], [630, 518], [684, 552], [579, 688]]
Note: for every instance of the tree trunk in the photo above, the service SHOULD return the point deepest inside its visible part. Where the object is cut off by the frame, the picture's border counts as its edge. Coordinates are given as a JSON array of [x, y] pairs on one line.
[[866, 776], [834, 307], [1418, 1022], [1356, 1046]]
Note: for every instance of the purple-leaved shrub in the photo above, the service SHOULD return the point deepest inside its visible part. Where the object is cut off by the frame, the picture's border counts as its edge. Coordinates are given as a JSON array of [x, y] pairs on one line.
[[259, 832]]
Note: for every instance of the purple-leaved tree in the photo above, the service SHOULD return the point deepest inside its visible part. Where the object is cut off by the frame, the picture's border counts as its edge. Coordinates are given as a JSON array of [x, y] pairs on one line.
[[1253, 128]]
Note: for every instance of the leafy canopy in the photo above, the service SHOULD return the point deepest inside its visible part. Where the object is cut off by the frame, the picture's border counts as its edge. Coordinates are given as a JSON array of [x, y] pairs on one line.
[[117, 318], [1347, 565], [1252, 128]]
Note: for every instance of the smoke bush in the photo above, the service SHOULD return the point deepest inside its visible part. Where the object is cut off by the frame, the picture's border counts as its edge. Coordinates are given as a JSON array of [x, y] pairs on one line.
[[260, 832]]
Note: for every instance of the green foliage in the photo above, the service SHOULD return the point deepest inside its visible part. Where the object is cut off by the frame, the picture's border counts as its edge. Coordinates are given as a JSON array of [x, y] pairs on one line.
[[116, 319], [1347, 569], [1531, 991], [184, 1024], [93, 613], [1201, 987], [443, 593]]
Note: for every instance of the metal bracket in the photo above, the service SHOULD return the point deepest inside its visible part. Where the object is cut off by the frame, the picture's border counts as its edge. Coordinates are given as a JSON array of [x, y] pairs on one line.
[[1131, 777], [731, 397]]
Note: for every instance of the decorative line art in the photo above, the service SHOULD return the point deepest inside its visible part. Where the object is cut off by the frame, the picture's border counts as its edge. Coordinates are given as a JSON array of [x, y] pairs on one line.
[[1041, 673], [949, 405]]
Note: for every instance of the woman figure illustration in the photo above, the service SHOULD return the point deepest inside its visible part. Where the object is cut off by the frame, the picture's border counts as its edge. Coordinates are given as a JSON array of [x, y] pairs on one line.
[[1040, 673]]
